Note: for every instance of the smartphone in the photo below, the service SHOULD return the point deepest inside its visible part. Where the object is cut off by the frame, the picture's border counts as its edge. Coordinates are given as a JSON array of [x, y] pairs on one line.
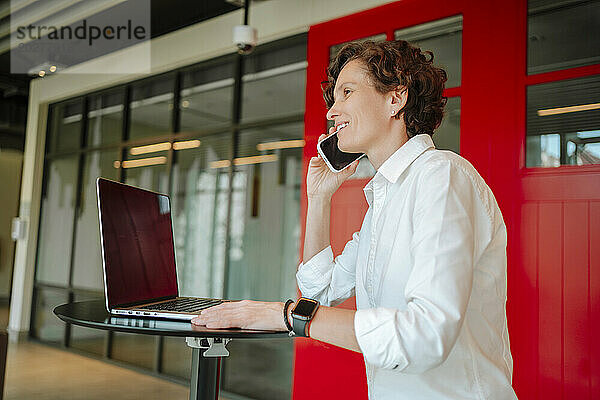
[[336, 159]]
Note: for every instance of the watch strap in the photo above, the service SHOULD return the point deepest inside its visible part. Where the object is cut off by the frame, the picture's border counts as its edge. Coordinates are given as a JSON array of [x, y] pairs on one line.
[[285, 315], [299, 326]]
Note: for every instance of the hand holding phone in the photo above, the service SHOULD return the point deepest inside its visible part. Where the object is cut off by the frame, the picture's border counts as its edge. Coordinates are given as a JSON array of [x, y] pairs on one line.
[[321, 182], [335, 159]]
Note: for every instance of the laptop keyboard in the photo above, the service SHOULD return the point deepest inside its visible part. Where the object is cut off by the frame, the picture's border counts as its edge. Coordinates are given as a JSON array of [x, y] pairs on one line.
[[184, 305]]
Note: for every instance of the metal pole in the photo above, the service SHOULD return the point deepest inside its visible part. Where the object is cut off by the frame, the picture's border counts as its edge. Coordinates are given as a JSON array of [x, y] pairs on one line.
[[205, 376]]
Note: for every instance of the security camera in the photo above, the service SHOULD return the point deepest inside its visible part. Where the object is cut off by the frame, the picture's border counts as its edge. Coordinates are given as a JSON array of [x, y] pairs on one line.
[[245, 38]]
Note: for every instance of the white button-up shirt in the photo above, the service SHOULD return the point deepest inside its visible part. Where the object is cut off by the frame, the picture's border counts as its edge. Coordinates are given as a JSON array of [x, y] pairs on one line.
[[428, 268]]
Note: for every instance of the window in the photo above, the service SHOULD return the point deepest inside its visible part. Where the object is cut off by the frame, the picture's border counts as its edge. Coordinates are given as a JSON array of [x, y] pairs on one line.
[[562, 34], [444, 39], [563, 123], [206, 97], [563, 115]]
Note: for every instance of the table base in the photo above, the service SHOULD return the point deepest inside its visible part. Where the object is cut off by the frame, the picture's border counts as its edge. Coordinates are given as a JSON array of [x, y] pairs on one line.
[[206, 374]]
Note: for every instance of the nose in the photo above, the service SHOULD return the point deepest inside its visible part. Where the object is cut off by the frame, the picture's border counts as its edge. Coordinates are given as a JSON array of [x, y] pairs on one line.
[[332, 113]]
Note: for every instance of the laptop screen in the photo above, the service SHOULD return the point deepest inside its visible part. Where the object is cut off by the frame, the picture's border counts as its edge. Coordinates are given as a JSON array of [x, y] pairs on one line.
[[137, 244]]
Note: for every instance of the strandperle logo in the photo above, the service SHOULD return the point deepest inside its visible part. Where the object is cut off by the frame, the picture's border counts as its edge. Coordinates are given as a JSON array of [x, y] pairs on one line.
[[83, 32], [68, 42]]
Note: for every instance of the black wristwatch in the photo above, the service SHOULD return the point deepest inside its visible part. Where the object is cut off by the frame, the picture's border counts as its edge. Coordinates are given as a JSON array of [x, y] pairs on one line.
[[302, 315]]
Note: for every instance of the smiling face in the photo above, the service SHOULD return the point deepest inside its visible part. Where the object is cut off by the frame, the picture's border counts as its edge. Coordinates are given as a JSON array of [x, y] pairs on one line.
[[367, 112]]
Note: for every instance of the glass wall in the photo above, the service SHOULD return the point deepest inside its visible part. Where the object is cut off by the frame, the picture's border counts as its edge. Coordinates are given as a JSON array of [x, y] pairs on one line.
[[151, 108], [206, 96], [174, 134], [562, 34], [563, 123], [444, 39], [563, 115], [265, 235]]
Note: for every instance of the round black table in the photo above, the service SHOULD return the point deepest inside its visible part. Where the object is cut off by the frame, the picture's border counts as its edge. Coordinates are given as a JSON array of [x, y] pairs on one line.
[[208, 345]]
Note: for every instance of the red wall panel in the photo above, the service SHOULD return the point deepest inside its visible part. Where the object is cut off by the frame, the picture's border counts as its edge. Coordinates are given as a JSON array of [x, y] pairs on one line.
[[576, 318], [550, 282], [525, 298], [594, 279]]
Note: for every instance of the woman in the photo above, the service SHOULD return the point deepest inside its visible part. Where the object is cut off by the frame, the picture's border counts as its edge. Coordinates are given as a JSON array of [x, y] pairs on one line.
[[428, 266]]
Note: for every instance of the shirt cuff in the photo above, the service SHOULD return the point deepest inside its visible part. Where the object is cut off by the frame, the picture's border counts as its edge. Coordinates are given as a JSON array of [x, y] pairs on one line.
[[317, 269], [377, 337]]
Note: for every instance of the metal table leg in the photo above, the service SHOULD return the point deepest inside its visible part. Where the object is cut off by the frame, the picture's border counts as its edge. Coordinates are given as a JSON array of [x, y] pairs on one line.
[[206, 371], [206, 367]]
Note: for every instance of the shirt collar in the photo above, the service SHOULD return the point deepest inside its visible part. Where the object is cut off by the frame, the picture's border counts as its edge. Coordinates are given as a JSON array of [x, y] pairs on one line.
[[396, 164]]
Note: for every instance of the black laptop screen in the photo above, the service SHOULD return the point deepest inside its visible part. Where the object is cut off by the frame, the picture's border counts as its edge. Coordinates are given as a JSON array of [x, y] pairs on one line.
[[137, 240]]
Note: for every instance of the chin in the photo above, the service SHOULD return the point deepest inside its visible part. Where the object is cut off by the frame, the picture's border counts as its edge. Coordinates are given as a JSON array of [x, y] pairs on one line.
[[347, 148]]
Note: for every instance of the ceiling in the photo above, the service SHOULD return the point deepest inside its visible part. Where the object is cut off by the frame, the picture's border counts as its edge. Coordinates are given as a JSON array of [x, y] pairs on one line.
[[165, 16]]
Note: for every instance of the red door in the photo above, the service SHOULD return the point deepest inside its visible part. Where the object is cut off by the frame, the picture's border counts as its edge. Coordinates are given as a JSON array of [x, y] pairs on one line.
[[552, 216]]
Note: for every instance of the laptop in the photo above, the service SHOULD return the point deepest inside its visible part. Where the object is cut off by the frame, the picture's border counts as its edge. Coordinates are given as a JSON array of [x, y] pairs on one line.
[[138, 255]]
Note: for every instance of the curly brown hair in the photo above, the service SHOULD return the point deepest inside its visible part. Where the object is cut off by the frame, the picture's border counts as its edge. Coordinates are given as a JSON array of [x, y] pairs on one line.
[[390, 64]]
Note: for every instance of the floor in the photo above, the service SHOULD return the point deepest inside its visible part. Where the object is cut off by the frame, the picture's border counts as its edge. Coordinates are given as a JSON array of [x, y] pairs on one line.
[[37, 371]]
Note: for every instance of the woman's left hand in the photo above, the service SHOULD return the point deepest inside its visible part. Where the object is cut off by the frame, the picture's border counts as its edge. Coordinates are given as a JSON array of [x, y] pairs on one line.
[[245, 314]]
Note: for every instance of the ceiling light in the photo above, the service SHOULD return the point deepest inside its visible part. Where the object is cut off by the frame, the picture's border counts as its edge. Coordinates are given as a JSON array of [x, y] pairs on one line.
[[151, 148], [284, 144], [570, 109], [245, 161], [142, 162], [187, 144]]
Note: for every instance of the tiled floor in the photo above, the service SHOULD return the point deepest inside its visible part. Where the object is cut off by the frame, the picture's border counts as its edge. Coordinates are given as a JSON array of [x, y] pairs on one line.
[[36, 371]]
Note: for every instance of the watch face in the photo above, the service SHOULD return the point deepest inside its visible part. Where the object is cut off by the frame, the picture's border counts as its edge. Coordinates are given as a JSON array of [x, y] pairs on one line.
[[305, 308]]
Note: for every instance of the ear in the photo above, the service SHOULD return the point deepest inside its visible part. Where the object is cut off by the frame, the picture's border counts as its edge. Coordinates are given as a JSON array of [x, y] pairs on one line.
[[398, 99]]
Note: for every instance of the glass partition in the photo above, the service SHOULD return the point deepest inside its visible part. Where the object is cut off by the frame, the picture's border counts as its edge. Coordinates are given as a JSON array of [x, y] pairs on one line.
[[264, 252], [53, 260], [65, 127], [274, 93], [131, 348], [45, 325], [151, 108], [105, 118], [206, 97], [333, 50], [562, 34], [199, 197], [563, 123], [444, 39], [87, 257], [266, 205], [87, 339], [176, 357], [447, 136], [146, 166], [199, 202]]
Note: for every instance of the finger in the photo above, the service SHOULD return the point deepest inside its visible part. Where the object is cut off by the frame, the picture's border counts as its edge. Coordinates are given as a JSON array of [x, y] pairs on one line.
[[322, 136], [331, 129]]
